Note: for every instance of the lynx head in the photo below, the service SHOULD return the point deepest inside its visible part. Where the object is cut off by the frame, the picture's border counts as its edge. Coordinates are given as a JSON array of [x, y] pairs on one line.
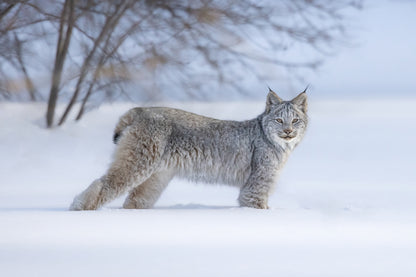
[[284, 122]]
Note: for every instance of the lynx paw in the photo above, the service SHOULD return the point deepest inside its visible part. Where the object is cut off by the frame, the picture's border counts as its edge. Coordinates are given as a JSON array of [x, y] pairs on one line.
[[88, 199], [252, 202], [77, 204], [136, 204], [255, 206], [81, 204]]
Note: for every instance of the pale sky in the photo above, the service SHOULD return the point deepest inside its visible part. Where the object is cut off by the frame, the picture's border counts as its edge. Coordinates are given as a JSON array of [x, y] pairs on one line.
[[383, 62]]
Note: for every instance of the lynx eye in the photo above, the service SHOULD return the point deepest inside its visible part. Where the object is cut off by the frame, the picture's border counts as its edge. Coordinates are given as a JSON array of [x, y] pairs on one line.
[[279, 120], [295, 120]]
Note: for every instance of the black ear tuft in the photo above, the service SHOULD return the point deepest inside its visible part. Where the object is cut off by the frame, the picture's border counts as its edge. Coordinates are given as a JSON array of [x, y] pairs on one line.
[[272, 99], [116, 137], [301, 101]]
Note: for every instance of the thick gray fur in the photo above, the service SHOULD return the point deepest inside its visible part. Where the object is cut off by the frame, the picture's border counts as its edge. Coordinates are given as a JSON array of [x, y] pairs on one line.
[[156, 144]]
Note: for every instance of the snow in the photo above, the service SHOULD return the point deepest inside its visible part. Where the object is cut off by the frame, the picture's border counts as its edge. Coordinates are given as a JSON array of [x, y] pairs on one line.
[[344, 205]]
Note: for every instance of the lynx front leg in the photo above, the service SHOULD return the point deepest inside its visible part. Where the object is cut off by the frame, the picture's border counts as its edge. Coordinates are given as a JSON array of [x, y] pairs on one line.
[[255, 193], [146, 194]]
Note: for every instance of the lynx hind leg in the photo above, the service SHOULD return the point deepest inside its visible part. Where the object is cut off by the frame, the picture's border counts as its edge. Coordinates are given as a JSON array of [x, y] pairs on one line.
[[135, 160], [103, 190], [146, 194]]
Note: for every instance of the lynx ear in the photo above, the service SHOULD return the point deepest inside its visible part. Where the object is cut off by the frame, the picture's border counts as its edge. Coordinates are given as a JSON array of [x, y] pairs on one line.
[[301, 101], [272, 99]]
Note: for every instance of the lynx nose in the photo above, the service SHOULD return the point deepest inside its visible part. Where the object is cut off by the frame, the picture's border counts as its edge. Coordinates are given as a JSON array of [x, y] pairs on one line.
[[287, 131]]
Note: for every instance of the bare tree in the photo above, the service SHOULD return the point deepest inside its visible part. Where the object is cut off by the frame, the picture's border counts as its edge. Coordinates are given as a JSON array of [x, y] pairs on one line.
[[66, 25], [152, 47], [111, 20]]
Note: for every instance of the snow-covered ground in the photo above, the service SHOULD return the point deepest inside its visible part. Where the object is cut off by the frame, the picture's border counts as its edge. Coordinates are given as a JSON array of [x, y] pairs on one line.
[[344, 206]]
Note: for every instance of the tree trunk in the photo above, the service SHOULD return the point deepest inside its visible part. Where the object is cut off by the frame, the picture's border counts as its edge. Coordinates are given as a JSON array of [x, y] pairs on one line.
[[65, 33]]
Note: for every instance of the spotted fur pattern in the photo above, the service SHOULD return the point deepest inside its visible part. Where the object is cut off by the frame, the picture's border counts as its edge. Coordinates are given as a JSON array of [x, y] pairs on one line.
[[156, 144]]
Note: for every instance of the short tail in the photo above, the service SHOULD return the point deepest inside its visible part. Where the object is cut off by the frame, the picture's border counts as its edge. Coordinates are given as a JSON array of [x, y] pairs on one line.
[[125, 121]]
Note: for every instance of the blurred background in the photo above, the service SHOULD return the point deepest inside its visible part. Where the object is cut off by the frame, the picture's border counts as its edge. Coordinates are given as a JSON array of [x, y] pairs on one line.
[[80, 54], [344, 204]]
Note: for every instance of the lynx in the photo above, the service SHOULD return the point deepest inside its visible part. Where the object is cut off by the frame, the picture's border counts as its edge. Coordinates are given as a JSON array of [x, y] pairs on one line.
[[156, 144]]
